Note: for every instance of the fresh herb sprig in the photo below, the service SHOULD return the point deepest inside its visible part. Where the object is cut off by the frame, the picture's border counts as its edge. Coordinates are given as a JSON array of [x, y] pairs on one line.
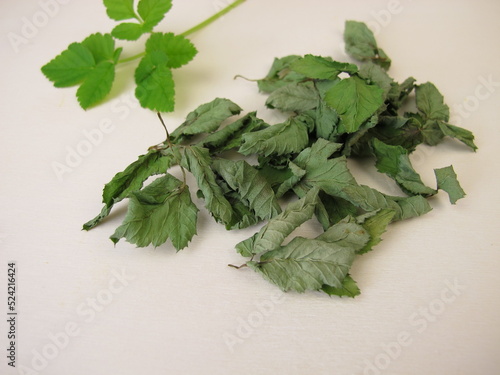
[[337, 111], [91, 64]]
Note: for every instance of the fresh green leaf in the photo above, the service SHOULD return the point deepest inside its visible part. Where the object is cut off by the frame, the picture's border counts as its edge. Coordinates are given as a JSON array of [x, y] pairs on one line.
[[360, 43], [272, 235], [70, 67], [102, 47], [128, 31], [97, 84], [250, 185], [285, 138], [395, 162], [318, 67], [160, 211], [153, 11], [447, 181], [355, 101], [120, 10], [155, 85], [294, 97], [131, 179], [197, 160], [206, 118], [430, 102], [177, 48], [349, 288]]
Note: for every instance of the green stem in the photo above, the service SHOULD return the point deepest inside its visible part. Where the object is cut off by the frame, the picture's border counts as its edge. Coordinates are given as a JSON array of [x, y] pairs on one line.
[[192, 30], [216, 16], [131, 58]]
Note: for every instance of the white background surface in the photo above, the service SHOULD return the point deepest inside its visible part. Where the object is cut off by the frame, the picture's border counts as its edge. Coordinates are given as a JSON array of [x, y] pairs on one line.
[[177, 313]]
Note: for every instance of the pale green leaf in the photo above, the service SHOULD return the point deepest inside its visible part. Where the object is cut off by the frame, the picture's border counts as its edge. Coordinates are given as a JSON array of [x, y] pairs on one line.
[[160, 211], [305, 264], [250, 185], [272, 235], [349, 288], [197, 160]]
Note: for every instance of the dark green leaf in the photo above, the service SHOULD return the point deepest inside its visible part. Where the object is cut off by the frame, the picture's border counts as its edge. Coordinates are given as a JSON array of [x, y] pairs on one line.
[[431, 103], [463, 135], [285, 138], [230, 137], [394, 161], [294, 97], [355, 101], [131, 179], [361, 44], [447, 181], [206, 118], [280, 74], [318, 67]]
